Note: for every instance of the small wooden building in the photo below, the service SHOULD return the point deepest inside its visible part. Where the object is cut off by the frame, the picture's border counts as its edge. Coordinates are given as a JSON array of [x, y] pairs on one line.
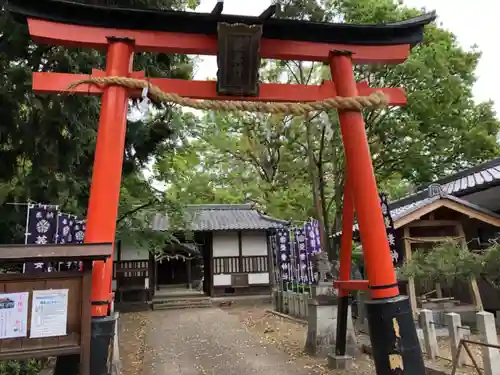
[[229, 254], [464, 207], [473, 194], [423, 224]]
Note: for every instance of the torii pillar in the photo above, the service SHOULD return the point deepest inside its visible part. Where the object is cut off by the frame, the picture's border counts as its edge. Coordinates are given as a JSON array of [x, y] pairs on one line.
[[107, 173], [394, 340]]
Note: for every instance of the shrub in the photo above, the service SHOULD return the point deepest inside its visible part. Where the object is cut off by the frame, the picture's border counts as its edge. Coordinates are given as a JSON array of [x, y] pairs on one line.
[[449, 261], [28, 367]]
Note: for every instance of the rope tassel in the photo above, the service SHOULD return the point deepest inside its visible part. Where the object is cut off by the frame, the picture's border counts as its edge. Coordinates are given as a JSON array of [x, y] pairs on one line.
[[354, 103]]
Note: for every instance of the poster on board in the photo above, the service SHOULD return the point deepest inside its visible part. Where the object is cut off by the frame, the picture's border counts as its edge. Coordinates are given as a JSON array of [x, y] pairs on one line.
[[49, 313], [13, 315]]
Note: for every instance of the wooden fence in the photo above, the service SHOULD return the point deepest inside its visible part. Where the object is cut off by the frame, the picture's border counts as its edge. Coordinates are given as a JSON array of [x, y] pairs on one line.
[[132, 277], [292, 299], [476, 347]]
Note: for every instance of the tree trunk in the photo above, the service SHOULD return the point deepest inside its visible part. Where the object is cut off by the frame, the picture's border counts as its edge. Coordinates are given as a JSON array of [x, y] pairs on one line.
[[318, 210], [332, 254]]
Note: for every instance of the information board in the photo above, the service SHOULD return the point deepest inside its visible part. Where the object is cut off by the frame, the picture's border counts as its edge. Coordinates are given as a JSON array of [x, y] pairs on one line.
[[13, 315], [49, 314]]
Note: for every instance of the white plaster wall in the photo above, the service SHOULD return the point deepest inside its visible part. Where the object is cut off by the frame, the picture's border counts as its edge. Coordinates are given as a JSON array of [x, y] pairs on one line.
[[254, 243], [130, 251], [225, 244], [258, 278], [222, 280]]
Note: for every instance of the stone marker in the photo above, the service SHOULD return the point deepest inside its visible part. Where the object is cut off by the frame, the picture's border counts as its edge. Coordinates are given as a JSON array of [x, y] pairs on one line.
[[488, 333], [430, 338], [456, 333], [322, 323]]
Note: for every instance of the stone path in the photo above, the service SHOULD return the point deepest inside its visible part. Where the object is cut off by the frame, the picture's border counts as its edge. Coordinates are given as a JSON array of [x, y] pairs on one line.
[[209, 342]]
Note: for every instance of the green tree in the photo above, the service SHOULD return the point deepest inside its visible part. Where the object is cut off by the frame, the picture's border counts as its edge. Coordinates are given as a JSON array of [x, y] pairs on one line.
[[441, 130], [139, 203], [445, 263], [449, 262], [47, 142]]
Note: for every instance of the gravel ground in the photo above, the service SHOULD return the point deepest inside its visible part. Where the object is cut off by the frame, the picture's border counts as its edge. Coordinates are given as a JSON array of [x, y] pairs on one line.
[[233, 341], [210, 342], [444, 354], [132, 335], [289, 336]]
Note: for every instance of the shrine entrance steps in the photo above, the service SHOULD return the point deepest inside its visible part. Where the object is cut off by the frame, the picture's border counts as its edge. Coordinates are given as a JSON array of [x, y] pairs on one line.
[[168, 298], [180, 302]]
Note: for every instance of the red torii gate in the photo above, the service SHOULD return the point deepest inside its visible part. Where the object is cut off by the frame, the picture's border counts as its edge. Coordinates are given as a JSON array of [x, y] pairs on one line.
[[121, 32]]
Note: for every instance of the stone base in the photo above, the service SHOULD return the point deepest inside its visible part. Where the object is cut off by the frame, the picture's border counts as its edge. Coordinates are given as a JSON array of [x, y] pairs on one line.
[[323, 289], [322, 328], [339, 362]]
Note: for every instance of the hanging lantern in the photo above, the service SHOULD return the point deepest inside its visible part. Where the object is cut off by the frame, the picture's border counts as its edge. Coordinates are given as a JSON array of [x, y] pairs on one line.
[[238, 59]]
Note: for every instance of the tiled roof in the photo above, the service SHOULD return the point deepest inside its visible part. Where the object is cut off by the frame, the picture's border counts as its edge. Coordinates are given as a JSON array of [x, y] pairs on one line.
[[466, 182], [475, 178], [220, 217], [400, 212], [403, 211]]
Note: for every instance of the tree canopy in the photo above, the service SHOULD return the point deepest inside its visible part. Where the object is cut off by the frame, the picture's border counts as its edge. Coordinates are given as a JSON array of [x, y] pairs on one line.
[[449, 261], [47, 142], [293, 168], [289, 167]]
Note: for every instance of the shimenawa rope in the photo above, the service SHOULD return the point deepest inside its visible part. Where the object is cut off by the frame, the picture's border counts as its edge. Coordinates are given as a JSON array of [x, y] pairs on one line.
[[354, 103]]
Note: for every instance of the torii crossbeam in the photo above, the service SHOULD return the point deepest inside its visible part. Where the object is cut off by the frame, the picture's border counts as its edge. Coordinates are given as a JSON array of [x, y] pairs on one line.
[[121, 32]]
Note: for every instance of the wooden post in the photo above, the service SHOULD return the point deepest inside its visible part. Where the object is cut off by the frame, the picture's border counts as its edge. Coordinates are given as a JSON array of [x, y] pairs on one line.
[[86, 328], [474, 288], [156, 285], [270, 262], [411, 280], [439, 290], [151, 276], [188, 265]]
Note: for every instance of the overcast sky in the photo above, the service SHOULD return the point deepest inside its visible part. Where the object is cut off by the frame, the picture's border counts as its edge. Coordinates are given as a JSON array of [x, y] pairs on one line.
[[473, 22]]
